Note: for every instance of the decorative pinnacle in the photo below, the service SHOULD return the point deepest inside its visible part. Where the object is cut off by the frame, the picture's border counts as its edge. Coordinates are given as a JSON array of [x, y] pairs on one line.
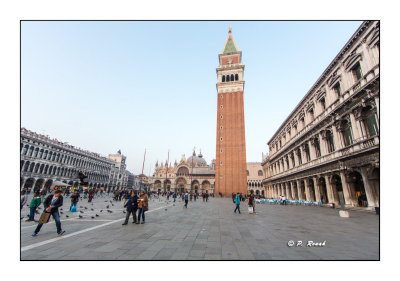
[[230, 29]]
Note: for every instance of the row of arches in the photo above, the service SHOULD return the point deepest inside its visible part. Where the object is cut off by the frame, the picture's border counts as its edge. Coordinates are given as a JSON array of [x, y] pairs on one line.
[[181, 185], [46, 169], [254, 184], [43, 183], [230, 77], [355, 188], [45, 154]]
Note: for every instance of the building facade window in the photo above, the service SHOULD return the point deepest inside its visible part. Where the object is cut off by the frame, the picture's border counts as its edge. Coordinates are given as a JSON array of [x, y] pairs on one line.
[[371, 124], [356, 71], [347, 136], [337, 90], [329, 141]]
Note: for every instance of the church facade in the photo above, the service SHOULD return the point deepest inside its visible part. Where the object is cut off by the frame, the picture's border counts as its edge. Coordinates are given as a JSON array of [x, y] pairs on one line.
[[191, 174]]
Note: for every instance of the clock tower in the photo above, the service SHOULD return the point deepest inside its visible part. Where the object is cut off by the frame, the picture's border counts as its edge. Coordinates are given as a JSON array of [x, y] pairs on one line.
[[230, 172]]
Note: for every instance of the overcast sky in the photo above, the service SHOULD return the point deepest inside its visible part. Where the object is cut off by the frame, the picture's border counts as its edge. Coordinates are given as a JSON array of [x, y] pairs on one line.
[[104, 86]]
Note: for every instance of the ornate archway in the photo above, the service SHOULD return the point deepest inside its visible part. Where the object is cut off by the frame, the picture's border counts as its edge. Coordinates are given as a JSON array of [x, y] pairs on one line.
[[181, 184], [205, 186]]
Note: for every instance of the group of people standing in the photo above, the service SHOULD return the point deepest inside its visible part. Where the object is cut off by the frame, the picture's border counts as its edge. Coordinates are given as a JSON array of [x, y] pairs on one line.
[[135, 203], [238, 197]]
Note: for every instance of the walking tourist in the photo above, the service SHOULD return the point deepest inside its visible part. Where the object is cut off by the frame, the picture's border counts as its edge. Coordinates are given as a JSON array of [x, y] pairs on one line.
[[143, 204], [91, 195], [131, 208], [237, 201], [174, 196], [51, 205], [251, 203], [35, 202], [186, 197], [74, 199]]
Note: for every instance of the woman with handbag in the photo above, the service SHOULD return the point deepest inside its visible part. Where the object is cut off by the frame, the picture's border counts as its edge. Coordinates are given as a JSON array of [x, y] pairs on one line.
[[143, 205]]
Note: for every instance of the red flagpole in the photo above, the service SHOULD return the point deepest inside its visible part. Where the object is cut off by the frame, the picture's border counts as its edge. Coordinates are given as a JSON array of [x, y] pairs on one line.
[[191, 175], [144, 158], [166, 172]]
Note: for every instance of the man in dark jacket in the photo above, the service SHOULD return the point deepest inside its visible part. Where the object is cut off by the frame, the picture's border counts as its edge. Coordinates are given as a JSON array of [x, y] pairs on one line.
[[51, 205], [131, 207], [74, 199]]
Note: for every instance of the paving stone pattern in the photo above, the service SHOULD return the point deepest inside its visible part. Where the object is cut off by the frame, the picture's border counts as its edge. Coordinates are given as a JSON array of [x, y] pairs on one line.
[[207, 231]]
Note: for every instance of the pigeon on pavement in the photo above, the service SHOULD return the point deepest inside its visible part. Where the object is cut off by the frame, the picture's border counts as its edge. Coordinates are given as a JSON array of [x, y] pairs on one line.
[[97, 215], [81, 212], [80, 216]]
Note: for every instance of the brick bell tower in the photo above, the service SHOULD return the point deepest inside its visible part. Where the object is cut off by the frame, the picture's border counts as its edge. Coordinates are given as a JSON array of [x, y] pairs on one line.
[[230, 172]]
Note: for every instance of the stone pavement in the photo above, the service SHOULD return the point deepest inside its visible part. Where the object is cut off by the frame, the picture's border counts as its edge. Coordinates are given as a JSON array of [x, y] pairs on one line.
[[204, 231]]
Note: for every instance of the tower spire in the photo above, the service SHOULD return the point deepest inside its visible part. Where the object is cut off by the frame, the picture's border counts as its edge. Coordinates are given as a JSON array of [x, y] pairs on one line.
[[230, 44]]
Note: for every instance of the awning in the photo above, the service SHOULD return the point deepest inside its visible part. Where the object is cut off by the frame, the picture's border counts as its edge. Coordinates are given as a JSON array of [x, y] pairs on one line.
[[59, 183]]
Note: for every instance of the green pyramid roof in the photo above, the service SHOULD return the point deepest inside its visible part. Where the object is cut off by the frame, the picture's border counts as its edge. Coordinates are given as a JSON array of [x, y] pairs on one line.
[[230, 46]]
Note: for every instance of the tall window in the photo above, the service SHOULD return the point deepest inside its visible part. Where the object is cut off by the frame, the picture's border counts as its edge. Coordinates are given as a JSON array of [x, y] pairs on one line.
[[307, 151], [236, 77], [356, 71], [227, 78], [260, 173], [317, 147], [322, 102], [223, 78], [311, 114], [337, 89], [330, 143], [348, 139], [371, 124], [299, 156]]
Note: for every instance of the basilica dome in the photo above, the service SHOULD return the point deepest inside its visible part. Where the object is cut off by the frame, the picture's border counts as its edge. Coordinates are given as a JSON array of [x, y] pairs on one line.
[[197, 160]]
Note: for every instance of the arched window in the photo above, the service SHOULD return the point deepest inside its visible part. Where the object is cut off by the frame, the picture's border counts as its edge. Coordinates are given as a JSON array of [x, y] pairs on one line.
[[248, 173], [25, 150], [31, 167], [40, 154], [232, 77], [227, 78], [26, 166], [236, 77], [260, 173], [36, 152], [30, 151], [45, 154], [223, 78]]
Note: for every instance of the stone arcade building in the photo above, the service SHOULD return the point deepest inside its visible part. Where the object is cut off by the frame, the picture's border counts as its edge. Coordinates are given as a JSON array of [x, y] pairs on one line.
[[45, 160], [328, 147]]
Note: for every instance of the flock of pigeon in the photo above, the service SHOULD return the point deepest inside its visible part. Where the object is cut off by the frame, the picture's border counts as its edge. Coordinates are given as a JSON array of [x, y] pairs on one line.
[[86, 209]]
